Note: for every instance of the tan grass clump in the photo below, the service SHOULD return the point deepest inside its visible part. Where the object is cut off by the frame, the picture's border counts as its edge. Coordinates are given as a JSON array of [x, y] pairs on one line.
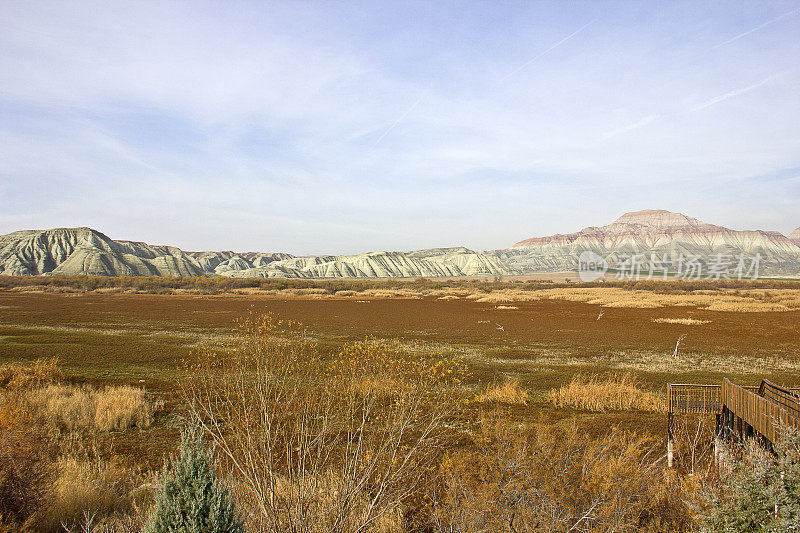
[[345, 293], [747, 307], [505, 296], [15, 376], [682, 321], [70, 407], [616, 392], [508, 392], [90, 495], [501, 307]]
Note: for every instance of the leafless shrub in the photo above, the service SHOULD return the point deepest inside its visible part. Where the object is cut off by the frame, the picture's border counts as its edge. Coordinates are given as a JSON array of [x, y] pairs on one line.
[[546, 480], [310, 446]]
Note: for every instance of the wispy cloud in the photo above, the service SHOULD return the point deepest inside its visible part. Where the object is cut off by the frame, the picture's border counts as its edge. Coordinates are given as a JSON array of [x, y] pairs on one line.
[[759, 27], [734, 93], [542, 54], [399, 119], [625, 129], [129, 118]]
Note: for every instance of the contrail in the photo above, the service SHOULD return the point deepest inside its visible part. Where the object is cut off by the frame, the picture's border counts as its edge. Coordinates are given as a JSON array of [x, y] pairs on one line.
[[731, 94], [638, 124], [764, 25], [534, 58], [396, 122]]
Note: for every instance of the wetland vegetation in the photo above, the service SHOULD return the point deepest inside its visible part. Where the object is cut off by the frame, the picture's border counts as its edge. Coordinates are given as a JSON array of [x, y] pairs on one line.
[[377, 406]]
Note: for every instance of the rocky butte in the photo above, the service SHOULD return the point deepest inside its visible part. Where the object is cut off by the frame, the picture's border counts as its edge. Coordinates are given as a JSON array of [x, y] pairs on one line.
[[656, 233]]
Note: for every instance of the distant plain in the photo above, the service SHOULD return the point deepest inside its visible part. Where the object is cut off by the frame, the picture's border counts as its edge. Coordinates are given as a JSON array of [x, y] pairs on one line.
[[542, 343]]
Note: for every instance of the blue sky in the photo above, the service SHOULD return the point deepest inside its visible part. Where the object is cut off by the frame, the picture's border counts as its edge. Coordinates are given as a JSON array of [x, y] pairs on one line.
[[339, 127]]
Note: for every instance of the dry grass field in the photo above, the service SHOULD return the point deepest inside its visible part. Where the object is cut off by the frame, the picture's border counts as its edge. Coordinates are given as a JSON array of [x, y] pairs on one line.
[[593, 361]]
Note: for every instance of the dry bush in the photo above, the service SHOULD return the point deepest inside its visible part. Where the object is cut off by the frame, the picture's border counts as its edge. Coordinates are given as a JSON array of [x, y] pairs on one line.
[[123, 407], [313, 444], [25, 473], [71, 407], [345, 293], [549, 479], [90, 493], [310, 291], [682, 321], [17, 376], [508, 392], [614, 391], [693, 437]]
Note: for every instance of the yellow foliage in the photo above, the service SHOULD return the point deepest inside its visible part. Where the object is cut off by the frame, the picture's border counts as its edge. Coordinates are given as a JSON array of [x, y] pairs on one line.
[[508, 392], [621, 392], [15, 376], [70, 407]]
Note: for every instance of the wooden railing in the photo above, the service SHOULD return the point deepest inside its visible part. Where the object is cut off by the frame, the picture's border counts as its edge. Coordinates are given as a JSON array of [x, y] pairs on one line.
[[760, 413], [742, 411], [691, 398], [786, 398]]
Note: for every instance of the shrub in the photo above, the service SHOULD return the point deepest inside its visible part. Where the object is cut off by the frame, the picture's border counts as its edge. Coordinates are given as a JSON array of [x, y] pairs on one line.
[[191, 498], [16, 376], [318, 443], [85, 492], [760, 493], [549, 479], [25, 473]]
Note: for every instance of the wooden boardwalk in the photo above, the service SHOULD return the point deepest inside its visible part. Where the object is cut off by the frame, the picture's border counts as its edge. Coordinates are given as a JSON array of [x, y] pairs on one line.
[[762, 412]]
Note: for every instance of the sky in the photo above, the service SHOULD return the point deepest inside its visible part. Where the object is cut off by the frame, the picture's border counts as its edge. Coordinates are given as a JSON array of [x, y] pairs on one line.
[[344, 127]]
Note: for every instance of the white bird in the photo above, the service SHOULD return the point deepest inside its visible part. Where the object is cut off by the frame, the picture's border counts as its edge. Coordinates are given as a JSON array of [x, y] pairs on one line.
[[677, 345], [600, 315], [500, 327]]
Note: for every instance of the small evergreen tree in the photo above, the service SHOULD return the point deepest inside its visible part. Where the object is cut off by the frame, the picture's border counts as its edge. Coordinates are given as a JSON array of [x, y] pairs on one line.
[[191, 499]]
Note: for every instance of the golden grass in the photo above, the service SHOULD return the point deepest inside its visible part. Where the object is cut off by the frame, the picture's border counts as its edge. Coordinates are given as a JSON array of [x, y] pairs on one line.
[[321, 494], [682, 321], [744, 301], [345, 293], [508, 392], [70, 407], [505, 296], [15, 376], [506, 307], [747, 307], [615, 391], [105, 491]]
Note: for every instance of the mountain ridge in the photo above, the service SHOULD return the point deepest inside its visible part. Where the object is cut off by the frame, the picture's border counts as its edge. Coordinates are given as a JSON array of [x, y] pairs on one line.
[[647, 233], [655, 232]]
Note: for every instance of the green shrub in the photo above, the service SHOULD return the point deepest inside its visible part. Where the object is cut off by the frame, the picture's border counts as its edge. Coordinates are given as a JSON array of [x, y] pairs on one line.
[[192, 499], [760, 493]]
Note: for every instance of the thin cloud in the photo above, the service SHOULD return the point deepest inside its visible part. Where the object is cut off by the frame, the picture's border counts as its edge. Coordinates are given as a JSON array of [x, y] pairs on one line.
[[537, 56], [396, 122], [638, 124], [759, 27], [733, 94]]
